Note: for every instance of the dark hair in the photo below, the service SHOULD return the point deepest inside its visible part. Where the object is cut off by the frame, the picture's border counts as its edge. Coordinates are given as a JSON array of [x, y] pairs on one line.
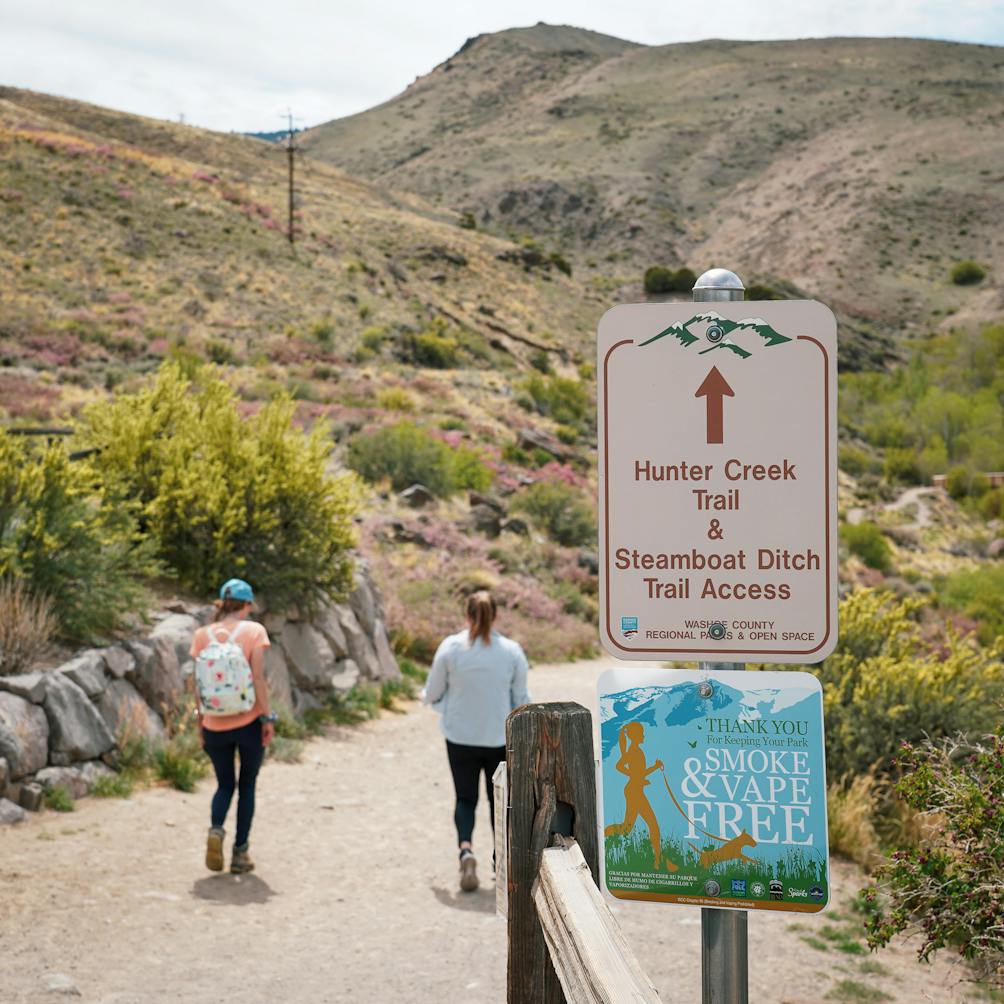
[[481, 611], [224, 608]]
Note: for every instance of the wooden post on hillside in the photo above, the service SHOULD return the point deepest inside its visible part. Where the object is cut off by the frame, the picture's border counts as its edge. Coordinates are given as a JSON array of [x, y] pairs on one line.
[[552, 789]]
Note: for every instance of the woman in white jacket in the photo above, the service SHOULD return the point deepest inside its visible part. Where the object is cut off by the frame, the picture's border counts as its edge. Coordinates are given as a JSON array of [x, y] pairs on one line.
[[478, 676]]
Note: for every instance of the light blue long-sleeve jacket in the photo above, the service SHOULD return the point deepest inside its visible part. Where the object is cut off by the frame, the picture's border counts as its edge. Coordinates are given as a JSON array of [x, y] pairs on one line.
[[474, 687]]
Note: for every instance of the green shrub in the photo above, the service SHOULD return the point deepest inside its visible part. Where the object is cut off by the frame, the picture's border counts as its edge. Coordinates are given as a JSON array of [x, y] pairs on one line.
[[979, 593], [65, 539], [406, 454], [430, 349], [467, 221], [181, 762], [854, 461], [222, 495], [560, 262], [761, 291], [962, 482], [360, 704], [412, 672], [113, 786], [559, 510], [884, 684], [393, 690], [659, 280], [968, 272], [396, 399], [540, 361], [992, 505], [948, 889], [902, 465], [566, 401], [868, 542], [59, 799]]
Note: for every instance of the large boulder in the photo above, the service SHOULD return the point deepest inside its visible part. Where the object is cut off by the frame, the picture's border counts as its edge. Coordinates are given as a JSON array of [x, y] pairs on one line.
[[29, 686], [70, 779], [361, 648], [345, 676], [4, 774], [363, 599], [127, 715], [311, 661], [87, 671], [76, 730], [280, 690], [389, 669], [178, 629], [486, 520], [328, 624], [10, 813], [119, 662], [24, 735], [157, 675]]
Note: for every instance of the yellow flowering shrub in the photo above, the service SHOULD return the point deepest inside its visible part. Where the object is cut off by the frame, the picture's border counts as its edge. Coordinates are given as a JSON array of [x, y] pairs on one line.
[[886, 684], [223, 495], [65, 542]]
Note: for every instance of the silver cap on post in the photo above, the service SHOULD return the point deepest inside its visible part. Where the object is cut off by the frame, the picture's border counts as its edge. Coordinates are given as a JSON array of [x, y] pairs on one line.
[[718, 284]]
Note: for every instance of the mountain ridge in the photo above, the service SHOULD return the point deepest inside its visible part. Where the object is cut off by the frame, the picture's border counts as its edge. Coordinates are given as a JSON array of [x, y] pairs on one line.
[[812, 165]]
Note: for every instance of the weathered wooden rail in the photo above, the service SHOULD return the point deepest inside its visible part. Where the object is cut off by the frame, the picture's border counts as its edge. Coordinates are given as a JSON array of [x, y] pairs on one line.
[[564, 943]]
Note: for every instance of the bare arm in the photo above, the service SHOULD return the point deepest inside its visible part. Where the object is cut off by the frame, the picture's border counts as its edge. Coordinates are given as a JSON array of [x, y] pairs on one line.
[[261, 692]]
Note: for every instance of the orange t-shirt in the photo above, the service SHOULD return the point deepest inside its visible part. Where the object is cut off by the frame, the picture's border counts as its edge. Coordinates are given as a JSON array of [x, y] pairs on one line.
[[252, 637]]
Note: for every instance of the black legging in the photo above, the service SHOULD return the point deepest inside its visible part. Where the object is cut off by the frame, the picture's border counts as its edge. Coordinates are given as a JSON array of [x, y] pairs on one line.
[[466, 764], [220, 747]]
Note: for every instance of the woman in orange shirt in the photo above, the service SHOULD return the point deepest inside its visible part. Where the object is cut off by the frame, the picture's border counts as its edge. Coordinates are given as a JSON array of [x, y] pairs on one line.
[[247, 733]]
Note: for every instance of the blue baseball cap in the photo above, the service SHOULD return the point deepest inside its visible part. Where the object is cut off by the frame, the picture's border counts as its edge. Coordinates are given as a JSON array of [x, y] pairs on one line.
[[236, 589]]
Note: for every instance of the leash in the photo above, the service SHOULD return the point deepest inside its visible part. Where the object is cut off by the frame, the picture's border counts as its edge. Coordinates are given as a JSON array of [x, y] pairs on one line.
[[665, 781]]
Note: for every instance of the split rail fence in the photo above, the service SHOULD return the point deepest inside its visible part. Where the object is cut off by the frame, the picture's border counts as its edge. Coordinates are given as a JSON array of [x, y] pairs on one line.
[[564, 943]]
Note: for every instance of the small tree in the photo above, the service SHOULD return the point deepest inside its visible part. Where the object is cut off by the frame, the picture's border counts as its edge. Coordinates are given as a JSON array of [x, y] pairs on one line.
[[950, 889]]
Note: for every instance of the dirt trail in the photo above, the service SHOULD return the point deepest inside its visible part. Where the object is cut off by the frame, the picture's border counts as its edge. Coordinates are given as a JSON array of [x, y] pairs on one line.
[[354, 898]]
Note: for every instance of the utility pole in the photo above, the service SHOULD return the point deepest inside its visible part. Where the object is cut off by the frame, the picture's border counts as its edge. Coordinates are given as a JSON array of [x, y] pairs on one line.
[[291, 149]]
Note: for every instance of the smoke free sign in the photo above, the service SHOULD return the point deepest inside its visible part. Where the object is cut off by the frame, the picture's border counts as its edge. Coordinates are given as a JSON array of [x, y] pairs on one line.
[[717, 441]]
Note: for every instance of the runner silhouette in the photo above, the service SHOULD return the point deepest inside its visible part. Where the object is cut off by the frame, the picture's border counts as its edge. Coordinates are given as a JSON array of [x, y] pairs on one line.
[[636, 803]]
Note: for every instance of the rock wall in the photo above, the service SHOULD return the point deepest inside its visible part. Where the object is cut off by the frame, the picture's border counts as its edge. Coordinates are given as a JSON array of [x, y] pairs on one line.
[[60, 728]]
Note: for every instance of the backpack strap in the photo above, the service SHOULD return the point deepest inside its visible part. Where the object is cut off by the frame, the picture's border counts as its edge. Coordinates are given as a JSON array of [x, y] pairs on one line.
[[237, 630]]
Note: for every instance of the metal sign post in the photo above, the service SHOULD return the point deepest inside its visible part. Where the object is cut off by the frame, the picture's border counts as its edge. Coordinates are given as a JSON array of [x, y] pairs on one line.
[[724, 939]]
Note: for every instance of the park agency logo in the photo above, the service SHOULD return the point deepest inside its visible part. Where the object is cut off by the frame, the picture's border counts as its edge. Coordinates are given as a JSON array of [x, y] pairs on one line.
[[629, 626]]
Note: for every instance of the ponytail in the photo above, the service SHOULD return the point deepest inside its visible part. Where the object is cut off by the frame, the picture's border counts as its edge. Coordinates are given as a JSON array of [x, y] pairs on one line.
[[481, 611]]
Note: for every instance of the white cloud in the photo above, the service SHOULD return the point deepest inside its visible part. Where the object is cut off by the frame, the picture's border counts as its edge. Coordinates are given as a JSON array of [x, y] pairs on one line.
[[237, 65]]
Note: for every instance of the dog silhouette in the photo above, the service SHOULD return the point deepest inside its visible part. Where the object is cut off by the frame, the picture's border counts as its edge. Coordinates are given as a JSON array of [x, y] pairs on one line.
[[730, 849]]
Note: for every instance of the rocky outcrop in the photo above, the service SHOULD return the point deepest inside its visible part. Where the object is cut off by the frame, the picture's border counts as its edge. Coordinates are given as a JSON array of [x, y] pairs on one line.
[[76, 729], [24, 735], [55, 727], [127, 715]]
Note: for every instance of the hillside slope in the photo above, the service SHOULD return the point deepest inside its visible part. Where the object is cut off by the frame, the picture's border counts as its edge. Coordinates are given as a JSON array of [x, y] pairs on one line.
[[124, 239], [855, 170]]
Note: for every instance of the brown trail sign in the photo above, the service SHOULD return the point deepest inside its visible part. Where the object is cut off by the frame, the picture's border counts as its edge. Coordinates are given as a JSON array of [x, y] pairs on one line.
[[718, 524]]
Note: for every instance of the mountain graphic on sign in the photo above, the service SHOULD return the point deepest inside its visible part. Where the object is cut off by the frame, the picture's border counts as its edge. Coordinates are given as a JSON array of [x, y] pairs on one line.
[[680, 330]]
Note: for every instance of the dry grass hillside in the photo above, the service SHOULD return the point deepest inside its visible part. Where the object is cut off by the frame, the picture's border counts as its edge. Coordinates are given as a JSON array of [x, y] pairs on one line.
[[124, 239], [854, 170]]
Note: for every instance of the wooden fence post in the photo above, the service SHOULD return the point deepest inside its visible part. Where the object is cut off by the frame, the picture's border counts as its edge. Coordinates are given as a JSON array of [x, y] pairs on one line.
[[552, 789]]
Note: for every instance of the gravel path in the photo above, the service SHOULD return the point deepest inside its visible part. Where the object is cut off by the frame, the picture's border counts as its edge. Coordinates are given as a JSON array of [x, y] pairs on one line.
[[354, 898]]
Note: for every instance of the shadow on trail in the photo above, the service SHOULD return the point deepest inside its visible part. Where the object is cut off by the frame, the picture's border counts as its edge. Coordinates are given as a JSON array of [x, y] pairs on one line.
[[482, 901], [232, 890]]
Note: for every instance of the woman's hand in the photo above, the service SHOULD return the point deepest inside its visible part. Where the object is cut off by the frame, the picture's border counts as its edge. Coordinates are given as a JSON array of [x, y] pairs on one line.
[[658, 765], [267, 733]]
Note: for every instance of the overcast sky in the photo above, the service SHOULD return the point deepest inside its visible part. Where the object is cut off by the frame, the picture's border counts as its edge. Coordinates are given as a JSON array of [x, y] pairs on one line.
[[237, 64]]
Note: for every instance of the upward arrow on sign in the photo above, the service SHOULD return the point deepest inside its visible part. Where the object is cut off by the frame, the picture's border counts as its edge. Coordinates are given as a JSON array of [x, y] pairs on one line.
[[713, 389]]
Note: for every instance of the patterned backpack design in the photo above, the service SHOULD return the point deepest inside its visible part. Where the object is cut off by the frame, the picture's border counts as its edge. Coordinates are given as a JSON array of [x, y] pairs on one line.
[[223, 676]]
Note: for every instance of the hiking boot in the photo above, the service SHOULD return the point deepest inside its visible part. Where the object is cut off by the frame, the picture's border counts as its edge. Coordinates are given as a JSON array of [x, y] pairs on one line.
[[241, 862], [468, 872], [214, 849]]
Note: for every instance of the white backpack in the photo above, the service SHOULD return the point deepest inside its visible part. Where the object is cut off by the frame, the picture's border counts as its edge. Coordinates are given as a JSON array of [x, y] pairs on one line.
[[223, 676]]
